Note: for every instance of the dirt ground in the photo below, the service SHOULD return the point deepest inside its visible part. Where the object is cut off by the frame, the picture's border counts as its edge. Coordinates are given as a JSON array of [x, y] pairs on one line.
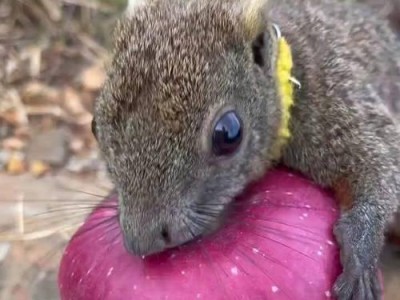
[[28, 269], [52, 63]]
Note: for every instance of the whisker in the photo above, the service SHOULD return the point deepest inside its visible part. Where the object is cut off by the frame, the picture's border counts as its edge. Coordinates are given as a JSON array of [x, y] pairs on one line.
[[246, 203], [89, 208], [244, 254], [38, 234], [73, 190], [268, 257], [86, 193], [53, 219], [273, 221], [207, 257], [286, 224], [56, 249], [71, 200], [212, 213], [104, 222], [284, 245], [118, 234], [199, 222], [291, 235]]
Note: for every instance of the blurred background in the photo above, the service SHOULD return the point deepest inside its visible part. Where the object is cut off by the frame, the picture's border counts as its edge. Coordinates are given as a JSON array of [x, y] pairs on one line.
[[52, 59], [53, 55]]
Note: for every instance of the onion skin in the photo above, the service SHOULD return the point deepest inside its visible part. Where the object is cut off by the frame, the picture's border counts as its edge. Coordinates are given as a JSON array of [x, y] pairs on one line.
[[277, 244]]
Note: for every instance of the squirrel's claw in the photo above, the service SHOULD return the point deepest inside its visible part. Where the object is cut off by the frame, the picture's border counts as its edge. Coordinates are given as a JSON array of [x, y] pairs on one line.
[[359, 279], [364, 287]]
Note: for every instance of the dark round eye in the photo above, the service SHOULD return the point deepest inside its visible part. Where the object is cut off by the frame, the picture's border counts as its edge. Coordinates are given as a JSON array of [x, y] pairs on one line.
[[227, 134]]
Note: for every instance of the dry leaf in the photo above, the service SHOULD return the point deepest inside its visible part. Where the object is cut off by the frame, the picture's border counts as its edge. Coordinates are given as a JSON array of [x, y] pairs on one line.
[[22, 132], [14, 117], [37, 93], [39, 110], [11, 108], [53, 8], [13, 143], [76, 145], [38, 168], [35, 61], [93, 78], [16, 164], [72, 102]]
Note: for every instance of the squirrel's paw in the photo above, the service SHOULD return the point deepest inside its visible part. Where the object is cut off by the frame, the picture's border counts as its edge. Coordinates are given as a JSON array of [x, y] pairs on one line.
[[365, 286], [359, 279]]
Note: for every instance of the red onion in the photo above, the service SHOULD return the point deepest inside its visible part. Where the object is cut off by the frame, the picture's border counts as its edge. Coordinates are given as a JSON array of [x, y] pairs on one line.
[[277, 244]]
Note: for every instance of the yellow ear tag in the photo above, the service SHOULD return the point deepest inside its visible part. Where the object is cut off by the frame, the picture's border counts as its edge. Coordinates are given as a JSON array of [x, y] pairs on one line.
[[285, 89]]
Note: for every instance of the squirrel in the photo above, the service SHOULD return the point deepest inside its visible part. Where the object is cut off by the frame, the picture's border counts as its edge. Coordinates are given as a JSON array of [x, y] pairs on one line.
[[203, 97]]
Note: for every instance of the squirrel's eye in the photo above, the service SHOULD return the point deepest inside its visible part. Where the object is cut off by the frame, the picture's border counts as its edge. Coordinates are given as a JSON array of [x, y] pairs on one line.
[[227, 134]]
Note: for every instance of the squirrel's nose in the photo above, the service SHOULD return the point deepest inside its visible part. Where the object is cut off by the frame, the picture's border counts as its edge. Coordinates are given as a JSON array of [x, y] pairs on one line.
[[150, 243]]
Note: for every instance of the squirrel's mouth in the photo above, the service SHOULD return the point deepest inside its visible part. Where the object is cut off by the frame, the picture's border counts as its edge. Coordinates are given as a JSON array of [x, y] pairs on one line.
[[189, 242]]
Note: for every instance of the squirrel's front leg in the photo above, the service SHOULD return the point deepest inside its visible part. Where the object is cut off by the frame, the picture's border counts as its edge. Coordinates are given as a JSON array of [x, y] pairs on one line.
[[363, 169], [360, 232]]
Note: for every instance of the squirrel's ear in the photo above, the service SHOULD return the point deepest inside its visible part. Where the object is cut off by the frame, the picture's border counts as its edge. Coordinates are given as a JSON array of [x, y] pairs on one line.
[[256, 29], [254, 13]]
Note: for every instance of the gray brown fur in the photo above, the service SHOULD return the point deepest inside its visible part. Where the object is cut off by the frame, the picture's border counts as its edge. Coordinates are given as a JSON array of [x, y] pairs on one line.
[[177, 64]]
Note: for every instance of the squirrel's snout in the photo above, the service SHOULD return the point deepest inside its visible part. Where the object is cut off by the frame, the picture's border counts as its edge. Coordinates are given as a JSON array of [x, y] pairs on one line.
[[153, 231], [147, 239], [150, 243]]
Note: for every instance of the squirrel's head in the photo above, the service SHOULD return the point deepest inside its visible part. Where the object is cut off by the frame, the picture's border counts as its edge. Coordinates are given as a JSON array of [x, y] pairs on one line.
[[187, 116]]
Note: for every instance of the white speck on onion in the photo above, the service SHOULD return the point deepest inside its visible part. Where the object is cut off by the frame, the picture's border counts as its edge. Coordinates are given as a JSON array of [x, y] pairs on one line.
[[234, 270], [327, 294]]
